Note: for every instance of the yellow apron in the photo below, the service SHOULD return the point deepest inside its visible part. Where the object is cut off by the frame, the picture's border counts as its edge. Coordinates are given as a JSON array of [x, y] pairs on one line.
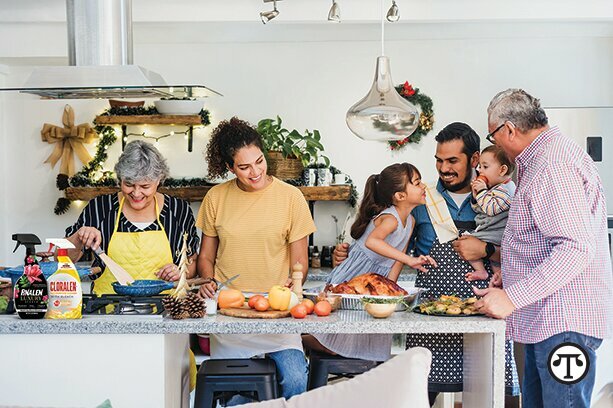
[[141, 253]]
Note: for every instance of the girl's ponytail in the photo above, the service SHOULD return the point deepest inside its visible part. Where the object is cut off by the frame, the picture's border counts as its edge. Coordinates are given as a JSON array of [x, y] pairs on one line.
[[369, 207], [379, 194]]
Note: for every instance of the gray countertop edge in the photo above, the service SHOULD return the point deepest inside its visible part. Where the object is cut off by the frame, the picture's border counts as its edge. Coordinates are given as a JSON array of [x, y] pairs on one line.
[[339, 322]]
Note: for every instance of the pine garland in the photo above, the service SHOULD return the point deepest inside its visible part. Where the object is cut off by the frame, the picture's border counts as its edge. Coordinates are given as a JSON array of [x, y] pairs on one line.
[[86, 177], [426, 116]]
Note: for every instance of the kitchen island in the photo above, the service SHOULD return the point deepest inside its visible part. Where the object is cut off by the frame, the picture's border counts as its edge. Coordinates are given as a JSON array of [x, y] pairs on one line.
[[142, 360]]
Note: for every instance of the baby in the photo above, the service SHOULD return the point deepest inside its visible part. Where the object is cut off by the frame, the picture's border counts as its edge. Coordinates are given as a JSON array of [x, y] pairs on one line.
[[492, 192]]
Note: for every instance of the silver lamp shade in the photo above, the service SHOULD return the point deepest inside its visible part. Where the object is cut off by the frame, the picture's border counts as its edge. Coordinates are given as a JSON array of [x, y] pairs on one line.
[[382, 115]]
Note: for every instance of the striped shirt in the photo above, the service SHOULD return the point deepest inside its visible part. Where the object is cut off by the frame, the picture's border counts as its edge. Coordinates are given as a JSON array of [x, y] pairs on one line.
[[497, 199], [556, 266], [176, 217]]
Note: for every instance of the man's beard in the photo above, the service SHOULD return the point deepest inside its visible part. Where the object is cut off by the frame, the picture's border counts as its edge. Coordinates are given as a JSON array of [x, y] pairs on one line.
[[462, 184]]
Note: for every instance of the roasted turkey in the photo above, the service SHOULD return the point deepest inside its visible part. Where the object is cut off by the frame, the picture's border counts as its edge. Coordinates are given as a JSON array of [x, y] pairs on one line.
[[368, 284]]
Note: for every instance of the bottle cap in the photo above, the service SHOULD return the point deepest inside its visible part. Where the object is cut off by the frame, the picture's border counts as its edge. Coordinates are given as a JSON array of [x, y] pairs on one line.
[[60, 243]]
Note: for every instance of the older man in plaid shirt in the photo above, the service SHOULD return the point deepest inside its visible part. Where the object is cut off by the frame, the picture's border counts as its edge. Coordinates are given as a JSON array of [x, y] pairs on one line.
[[556, 267]]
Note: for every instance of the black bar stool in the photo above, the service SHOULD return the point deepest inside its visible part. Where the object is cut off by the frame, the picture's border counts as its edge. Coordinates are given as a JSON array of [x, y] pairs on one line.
[[221, 379], [323, 364]]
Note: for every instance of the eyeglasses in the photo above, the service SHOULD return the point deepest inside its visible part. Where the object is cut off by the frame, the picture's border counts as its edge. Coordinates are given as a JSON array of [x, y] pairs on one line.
[[490, 136]]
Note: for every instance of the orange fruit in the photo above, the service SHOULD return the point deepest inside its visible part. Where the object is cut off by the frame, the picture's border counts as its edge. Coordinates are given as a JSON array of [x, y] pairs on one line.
[[261, 305], [299, 311], [254, 299], [309, 305], [322, 308]]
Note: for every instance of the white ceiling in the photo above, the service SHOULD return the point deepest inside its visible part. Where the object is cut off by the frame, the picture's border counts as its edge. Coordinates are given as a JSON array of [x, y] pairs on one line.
[[315, 11]]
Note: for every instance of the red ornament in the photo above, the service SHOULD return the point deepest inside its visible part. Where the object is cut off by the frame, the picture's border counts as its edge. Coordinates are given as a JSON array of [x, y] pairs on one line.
[[407, 89]]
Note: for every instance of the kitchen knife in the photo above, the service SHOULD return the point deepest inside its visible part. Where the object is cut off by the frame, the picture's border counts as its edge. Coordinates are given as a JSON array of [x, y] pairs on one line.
[[192, 282], [122, 276], [226, 283]]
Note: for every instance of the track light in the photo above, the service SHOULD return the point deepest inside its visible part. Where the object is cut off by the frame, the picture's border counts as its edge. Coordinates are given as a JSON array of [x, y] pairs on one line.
[[266, 16], [392, 14], [335, 13]]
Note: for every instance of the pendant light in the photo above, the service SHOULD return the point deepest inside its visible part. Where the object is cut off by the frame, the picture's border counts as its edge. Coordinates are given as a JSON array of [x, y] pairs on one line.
[[382, 115]]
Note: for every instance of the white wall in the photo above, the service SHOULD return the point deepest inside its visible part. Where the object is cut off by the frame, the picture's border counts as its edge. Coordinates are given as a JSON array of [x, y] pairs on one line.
[[310, 84], [309, 74]]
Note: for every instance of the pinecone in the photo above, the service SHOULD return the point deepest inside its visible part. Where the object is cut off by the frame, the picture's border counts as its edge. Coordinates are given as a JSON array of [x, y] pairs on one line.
[[175, 307], [194, 305]]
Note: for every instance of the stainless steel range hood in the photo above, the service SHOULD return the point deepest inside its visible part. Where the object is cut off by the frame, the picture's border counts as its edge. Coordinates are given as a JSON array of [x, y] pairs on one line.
[[100, 58]]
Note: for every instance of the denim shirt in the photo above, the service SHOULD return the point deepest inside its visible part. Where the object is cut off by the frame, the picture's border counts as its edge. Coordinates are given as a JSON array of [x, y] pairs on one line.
[[423, 235]]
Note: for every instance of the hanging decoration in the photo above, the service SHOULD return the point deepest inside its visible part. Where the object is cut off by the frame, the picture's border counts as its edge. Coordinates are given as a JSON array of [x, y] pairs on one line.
[[68, 139], [92, 175], [382, 115], [426, 116]]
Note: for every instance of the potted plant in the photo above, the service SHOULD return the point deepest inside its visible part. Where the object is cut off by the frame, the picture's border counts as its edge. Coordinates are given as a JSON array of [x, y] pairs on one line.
[[289, 152]]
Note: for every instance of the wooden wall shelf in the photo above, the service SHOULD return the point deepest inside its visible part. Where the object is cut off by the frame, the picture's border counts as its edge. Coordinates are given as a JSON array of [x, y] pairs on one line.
[[185, 120], [332, 193]]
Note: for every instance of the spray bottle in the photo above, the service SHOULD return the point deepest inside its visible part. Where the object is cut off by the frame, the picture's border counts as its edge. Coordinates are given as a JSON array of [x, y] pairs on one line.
[[65, 293], [30, 291]]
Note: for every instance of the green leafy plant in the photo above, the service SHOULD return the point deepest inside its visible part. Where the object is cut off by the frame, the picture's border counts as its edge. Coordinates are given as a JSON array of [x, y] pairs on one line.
[[307, 147]]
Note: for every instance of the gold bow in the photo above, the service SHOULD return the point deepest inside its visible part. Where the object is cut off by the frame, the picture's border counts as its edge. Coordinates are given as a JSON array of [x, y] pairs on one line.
[[68, 139]]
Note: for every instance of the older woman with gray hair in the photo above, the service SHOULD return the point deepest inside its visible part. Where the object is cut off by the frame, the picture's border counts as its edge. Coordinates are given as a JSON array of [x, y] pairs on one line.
[[138, 227]]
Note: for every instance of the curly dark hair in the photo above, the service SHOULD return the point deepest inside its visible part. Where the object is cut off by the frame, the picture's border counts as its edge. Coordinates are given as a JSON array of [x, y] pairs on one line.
[[227, 138]]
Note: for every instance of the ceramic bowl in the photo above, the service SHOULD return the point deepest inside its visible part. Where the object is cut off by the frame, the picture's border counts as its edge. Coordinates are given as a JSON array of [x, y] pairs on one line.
[[380, 310], [178, 107], [125, 104]]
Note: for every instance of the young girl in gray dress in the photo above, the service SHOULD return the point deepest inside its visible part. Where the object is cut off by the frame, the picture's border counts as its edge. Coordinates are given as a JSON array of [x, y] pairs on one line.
[[381, 230]]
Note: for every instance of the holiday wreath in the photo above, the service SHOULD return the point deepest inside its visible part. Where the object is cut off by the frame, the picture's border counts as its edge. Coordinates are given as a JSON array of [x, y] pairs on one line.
[[426, 116]]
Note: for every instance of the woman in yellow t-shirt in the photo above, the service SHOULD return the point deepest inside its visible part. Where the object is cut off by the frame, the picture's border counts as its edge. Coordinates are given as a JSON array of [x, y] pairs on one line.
[[257, 226]]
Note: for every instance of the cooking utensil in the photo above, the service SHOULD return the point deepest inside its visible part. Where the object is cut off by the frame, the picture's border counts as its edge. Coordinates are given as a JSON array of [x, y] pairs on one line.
[[142, 287], [254, 314], [149, 287], [122, 276], [226, 283]]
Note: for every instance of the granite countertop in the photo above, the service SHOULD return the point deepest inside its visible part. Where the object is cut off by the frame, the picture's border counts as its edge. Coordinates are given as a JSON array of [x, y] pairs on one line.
[[342, 321]]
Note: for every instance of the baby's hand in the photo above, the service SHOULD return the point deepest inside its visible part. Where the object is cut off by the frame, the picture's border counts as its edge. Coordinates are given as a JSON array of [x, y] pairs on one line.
[[478, 185], [419, 261], [496, 281]]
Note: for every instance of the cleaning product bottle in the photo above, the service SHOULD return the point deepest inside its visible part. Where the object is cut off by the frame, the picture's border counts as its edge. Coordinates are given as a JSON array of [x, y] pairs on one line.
[[30, 291], [65, 293]]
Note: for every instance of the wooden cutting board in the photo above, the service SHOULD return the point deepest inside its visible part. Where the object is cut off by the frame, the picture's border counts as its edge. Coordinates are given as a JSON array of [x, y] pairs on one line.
[[254, 314]]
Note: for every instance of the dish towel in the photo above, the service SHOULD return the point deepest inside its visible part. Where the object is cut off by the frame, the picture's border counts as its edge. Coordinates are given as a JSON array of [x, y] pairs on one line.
[[439, 215]]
